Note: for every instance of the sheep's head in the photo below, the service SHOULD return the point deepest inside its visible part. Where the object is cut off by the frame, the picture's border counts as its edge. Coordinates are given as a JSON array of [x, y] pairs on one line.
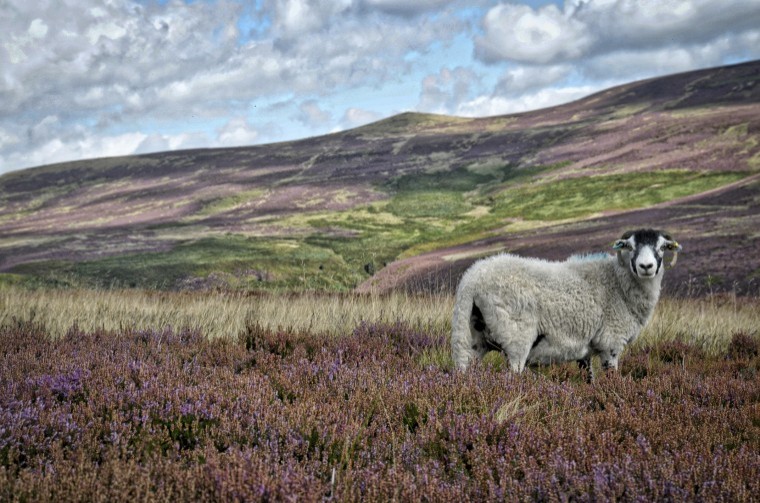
[[642, 251]]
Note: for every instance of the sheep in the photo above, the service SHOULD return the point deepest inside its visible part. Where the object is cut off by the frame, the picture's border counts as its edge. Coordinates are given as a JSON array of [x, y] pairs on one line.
[[542, 312]]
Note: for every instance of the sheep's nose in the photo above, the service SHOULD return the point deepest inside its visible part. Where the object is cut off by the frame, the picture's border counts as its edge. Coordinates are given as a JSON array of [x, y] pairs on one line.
[[646, 267]]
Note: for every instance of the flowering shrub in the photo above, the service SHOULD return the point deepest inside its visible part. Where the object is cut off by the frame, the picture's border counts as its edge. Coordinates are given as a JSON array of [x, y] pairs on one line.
[[287, 414]]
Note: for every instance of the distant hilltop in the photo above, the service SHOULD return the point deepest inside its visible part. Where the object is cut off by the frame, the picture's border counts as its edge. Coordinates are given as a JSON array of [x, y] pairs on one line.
[[410, 201]]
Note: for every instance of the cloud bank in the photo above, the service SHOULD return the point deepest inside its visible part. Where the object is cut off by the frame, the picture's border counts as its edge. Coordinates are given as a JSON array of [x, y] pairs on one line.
[[91, 78]]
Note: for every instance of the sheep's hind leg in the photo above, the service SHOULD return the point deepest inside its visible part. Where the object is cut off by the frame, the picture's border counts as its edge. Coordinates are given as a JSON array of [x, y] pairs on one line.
[[514, 344], [517, 356], [503, 333], [481, 335], [469, 336]]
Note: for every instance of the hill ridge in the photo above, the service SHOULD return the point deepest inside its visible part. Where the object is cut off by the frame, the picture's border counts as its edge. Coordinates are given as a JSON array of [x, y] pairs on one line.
[[326, 212]]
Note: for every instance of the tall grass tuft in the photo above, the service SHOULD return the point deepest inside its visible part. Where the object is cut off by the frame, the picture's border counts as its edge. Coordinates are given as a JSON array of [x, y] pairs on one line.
[[706, 322], [217, 314]]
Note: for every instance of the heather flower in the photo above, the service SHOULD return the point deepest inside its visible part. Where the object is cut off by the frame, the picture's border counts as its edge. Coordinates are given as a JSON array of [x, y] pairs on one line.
[[743, 346]]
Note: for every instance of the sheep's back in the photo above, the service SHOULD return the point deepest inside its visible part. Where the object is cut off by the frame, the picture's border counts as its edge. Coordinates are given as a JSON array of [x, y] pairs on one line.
[[562, 299], [510, 276]]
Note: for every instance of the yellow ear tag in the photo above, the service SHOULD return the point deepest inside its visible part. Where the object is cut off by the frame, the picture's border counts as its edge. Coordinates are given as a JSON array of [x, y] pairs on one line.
[[675, 248]]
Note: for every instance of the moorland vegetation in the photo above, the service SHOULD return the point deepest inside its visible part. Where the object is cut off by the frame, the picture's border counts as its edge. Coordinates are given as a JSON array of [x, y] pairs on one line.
[[140, 395]]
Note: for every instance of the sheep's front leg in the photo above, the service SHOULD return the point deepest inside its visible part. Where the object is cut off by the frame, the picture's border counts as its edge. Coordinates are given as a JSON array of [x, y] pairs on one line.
[[585, 365]]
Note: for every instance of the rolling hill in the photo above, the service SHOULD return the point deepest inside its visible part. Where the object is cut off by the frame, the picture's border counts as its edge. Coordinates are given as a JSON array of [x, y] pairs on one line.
[[410, 201]]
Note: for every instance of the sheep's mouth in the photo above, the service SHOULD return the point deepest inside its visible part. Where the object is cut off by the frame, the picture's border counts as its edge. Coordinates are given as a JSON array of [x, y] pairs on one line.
[[647, 274]]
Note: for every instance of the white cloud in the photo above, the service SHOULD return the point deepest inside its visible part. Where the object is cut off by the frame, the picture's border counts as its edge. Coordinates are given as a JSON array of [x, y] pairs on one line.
[[293, 18], [554, 55], [161, 142], [442, 92], [237, 132], [524, 79], [484, 106], [153, 143], [112, 63], [519, 33], [84, 147], [8, 139], [635, 24], [591, 27], [109, 30], [311, 114], [406, 7], [44, 130], [21, 42], [38, 29], [354, 117], [631, 64], [356, 50], [83, 49]]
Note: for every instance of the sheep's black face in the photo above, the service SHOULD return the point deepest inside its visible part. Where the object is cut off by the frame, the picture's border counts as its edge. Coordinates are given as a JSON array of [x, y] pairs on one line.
[[643, 251]]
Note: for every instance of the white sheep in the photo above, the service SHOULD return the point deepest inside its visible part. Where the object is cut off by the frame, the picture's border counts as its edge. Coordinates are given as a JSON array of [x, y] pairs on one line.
[[542, 312]]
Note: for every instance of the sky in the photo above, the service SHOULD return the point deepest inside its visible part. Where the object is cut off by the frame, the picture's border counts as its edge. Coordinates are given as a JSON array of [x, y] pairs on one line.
[[83, 79]]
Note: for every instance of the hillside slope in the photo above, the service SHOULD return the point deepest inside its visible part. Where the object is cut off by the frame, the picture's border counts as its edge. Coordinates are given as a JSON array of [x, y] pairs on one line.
[[328, 212]]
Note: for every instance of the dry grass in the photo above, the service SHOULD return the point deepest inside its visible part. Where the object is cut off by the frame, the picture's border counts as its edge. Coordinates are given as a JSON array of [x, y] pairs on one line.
[[708, 323], [217, 314]]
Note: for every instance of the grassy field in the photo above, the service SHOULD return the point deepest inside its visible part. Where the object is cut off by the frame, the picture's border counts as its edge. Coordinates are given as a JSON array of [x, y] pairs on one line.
[[147, 396], [706, 322]]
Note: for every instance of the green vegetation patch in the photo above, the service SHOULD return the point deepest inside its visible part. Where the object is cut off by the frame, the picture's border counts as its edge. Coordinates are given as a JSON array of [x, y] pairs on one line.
[[528, 205], [230, 202], [7, 279], [429, 204], [424, 208], [478, 176], [369, 252], [227, 262], [460, 180], [583, 196]]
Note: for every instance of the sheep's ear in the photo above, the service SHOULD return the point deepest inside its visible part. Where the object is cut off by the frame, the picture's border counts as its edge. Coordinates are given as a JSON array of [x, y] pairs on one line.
[[672, 263], [621, 244], [673, 246]]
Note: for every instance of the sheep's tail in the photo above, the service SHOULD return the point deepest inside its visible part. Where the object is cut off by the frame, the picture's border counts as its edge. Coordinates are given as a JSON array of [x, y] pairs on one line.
[[461, 331]]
